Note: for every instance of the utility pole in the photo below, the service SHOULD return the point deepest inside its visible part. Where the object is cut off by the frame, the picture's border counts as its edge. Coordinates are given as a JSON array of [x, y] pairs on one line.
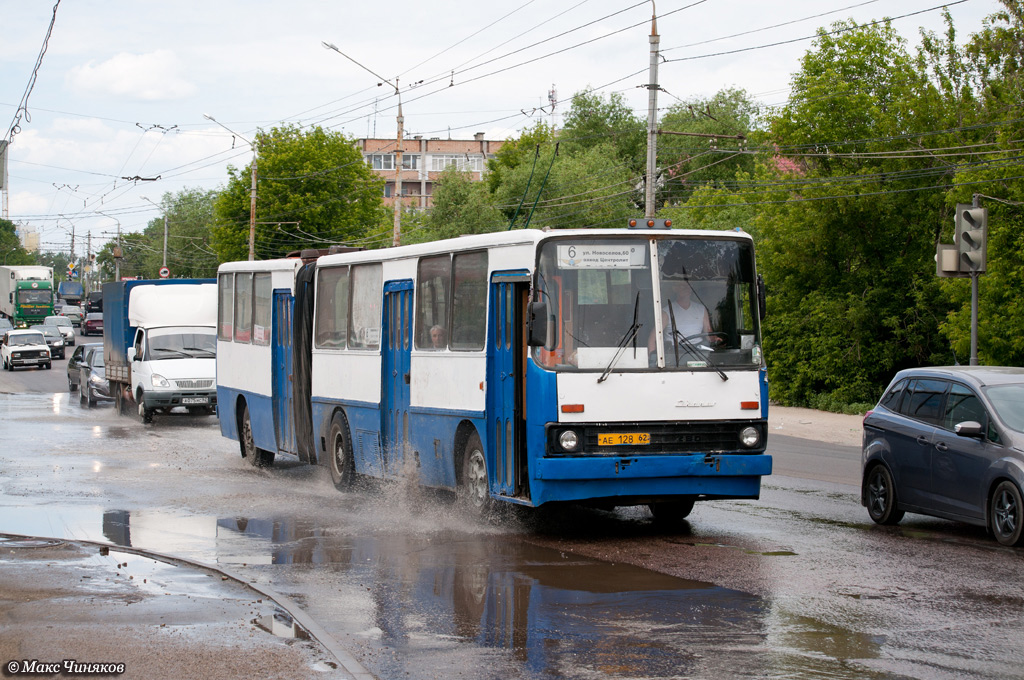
[[396, 235], [652, 119]]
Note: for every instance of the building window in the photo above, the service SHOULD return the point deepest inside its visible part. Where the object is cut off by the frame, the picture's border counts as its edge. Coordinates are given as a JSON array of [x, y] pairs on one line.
[[410, 161], [459, 161], [381, 161]]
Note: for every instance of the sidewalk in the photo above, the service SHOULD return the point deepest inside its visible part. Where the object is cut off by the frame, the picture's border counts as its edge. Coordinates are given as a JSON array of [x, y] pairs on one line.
[[822, 426]]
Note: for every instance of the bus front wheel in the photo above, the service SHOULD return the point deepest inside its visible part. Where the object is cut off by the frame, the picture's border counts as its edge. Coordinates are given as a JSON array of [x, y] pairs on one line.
[[667, 513], [342, 463], [474, 491]]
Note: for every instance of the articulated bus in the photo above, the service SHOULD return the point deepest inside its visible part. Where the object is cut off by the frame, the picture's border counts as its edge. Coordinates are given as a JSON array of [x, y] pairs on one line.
[[529, 367]]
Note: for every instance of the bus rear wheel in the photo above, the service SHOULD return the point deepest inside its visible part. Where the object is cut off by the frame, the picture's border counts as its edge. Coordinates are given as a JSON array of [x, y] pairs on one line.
[[342, 463], [474, 491], [257, 457]]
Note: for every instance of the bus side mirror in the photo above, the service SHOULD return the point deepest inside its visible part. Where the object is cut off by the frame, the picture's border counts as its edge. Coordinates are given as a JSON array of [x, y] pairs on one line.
[[542, 326], [762, 298]]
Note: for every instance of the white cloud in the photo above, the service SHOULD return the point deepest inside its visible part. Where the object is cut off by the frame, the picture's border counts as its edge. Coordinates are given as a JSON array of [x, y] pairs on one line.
[[155, 76]]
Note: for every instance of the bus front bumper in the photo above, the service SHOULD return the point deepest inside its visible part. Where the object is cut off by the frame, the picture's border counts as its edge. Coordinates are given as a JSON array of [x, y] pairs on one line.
[[662, 476]]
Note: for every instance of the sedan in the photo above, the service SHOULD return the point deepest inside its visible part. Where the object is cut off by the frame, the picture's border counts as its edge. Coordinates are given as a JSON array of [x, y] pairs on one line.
[[76, 361], [948, 442], [74, 313], [93, 378], [64, 325], [54, 339], [93, 324]]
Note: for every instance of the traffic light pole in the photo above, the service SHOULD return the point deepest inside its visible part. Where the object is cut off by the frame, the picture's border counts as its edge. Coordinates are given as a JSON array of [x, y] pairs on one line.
[[975, 202]]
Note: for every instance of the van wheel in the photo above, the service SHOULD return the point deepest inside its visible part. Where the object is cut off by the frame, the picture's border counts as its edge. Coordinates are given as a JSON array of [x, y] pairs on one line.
[[257, 457], [342, 463], [474, 491], [145, 413]]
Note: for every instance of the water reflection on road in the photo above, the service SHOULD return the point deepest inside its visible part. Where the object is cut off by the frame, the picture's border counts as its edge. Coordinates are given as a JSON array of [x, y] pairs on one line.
[[417, 600]]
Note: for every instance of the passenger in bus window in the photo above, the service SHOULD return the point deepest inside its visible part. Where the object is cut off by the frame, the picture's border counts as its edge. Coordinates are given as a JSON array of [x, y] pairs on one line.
[[681, 310], [438, 338]]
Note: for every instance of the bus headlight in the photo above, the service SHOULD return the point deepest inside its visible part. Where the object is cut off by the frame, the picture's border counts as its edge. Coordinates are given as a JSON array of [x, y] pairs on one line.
[[569, 440], [749, 437]]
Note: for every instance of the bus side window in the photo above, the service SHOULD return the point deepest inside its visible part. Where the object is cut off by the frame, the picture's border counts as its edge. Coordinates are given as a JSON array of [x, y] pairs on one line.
[[433, 279]]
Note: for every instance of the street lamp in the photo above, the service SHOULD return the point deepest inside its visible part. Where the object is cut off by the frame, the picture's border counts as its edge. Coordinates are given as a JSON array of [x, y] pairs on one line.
[[165, 228], [252, 199], [396, 237]]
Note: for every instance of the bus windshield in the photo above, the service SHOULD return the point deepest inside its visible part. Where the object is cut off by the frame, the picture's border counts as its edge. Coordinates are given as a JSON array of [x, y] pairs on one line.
[[601, 297]]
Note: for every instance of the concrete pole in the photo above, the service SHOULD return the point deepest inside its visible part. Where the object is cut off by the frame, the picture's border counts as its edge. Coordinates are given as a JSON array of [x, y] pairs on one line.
[[652, 122], [396, 237], [974, 302], [165, 239], [252, 211]]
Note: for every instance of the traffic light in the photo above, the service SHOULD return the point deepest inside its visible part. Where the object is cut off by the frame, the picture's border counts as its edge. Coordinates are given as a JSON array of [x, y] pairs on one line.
[[971, 237]]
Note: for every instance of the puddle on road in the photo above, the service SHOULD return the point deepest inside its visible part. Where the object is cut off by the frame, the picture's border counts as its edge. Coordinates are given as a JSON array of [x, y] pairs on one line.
[[424, 603]]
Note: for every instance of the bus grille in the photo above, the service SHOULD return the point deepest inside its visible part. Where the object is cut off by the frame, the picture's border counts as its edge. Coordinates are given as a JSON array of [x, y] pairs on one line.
[[194, 384], [666, 438]]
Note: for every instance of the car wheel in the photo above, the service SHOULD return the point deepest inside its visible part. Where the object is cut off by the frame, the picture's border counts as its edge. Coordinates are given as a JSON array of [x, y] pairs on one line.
[[671, 512], [71, 385], [1005, 514], [881, 496], [342, 463], [91, 396], [474, 491], [257, 457]]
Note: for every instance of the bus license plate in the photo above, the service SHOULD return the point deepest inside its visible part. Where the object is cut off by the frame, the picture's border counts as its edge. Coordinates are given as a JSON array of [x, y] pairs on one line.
[[624, 439], [195, 400]]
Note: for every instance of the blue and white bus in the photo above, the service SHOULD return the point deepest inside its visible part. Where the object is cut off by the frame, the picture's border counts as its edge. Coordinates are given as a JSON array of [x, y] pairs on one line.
[[528, 367]]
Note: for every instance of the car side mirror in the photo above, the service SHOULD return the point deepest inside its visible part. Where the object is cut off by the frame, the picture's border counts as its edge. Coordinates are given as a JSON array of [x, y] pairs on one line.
[[969, 428]]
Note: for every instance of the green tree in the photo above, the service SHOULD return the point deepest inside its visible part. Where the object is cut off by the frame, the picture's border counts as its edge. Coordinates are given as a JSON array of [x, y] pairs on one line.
[[697, 158], [313, 190], [461, 205], [11, 251], [593, 121]]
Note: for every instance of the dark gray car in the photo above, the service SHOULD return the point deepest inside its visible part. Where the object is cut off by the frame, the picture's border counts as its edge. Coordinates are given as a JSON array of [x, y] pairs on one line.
[[76, 361], [93, 377], [948, 442]]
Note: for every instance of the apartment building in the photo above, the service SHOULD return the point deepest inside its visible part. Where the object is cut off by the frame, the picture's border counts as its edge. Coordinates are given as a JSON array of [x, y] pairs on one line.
[[423, 160]]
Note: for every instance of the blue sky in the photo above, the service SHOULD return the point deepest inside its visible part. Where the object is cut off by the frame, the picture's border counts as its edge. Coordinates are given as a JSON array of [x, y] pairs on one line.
[[123, 86]]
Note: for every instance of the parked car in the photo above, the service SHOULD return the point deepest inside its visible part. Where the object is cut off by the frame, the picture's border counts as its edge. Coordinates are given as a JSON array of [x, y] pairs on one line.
[[63, 323], [24, 348], [93, 378], [948, 442], [74, 313], [76, 361], [93, 324], [54, 339]]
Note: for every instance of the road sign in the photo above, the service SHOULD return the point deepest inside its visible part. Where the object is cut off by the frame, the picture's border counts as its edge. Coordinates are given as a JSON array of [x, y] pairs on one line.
[[164, 272]]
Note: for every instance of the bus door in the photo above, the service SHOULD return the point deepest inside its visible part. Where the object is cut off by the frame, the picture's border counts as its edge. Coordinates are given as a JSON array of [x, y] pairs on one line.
[[396, 344], [506, 384], [281, 362]]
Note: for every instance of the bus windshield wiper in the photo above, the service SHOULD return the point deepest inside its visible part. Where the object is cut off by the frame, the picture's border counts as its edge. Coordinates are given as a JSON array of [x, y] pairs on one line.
[[630, 336], [699, 352]]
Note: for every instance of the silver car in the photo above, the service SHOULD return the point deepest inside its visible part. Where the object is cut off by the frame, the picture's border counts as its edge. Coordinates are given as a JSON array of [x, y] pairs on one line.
[[948, 442]]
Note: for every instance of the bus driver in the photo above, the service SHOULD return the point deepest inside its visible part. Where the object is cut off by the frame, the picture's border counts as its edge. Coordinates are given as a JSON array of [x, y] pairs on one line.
[[682, 312]]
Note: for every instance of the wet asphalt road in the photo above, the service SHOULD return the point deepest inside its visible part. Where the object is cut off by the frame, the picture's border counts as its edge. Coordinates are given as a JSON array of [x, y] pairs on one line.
[[797, 584]]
